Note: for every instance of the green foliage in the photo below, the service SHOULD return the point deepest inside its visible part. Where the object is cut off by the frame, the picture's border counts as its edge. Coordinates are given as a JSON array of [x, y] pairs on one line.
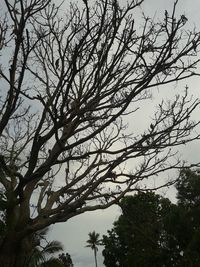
[[188, 196], [154, 232], [52, 262], [188, 187], [66, 260], [138, 237], [42, 254], [93, 241]]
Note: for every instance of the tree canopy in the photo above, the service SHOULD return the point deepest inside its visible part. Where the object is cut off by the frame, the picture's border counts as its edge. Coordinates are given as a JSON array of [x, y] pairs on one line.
[[152, 231], [69, 82], [138, 237], [66, 260]]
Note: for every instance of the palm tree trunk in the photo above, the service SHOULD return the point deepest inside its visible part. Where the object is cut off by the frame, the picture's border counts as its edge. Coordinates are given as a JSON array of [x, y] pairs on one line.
[[95, 257]]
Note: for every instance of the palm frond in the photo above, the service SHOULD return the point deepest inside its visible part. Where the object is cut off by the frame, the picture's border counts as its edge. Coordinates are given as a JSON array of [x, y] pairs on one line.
[[53, 247], [43, 232], [93, 240], [36, 258]]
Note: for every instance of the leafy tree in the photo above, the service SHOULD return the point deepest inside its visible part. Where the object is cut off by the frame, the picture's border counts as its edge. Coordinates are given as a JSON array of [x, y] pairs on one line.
[[66, 260], [188, 187], [69, 83], [154, 232], [93, 243], [187, 217], [139, 236]]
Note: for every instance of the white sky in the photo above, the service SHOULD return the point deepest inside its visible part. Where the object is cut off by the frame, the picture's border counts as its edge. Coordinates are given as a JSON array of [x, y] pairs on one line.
[[74, 233]]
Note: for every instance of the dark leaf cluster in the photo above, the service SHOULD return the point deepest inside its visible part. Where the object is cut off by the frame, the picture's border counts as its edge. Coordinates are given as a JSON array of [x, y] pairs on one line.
[[152, 231]]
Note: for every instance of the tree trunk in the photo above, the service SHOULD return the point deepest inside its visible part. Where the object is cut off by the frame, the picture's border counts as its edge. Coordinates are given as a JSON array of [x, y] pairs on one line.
[[95, 257], [13, 253]]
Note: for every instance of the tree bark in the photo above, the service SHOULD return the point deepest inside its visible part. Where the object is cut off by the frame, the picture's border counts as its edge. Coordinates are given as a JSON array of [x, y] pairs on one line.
[[14, 253]]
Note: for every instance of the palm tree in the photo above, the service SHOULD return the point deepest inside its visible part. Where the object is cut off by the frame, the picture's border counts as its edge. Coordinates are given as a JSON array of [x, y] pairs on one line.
[[93, 242], [41, 255]]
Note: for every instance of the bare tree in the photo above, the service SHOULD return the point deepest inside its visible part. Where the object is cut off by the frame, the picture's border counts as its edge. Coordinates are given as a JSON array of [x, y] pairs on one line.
[[68, 83]]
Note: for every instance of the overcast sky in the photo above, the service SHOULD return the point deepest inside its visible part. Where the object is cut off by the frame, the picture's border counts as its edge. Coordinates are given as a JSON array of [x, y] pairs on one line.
[[74, 233]]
